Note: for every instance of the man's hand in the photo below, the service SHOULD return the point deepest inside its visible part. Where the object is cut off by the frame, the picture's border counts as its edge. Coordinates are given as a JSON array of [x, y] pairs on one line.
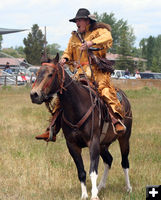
[[62, 61], [86, 45]]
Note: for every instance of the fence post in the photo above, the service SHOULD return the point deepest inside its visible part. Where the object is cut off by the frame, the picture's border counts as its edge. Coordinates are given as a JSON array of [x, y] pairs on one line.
[[16, 80], [31, 79], [5, 80]]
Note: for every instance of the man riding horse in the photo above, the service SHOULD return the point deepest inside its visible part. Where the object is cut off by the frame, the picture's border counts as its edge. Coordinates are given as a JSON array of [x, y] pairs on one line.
[[90, 33]]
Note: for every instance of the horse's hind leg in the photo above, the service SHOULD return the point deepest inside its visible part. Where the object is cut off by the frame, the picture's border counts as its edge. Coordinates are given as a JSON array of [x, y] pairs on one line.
[[75, 152], [124, 146], [107, 159]]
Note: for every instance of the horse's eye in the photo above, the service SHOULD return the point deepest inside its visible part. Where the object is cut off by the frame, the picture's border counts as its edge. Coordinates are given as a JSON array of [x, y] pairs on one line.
[[50, 75]]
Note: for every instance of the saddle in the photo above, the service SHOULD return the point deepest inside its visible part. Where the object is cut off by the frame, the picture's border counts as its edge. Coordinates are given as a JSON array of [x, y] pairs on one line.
[[100, 101], [105, 109]]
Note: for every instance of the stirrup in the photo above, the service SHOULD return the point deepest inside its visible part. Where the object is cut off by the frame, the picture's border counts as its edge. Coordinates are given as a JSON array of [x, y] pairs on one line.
[[51, 134], [121, 132]]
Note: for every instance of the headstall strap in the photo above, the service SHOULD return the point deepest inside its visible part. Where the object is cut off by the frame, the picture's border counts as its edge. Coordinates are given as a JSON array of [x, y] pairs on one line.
[[61, 79], [50, 81], [34, 84]]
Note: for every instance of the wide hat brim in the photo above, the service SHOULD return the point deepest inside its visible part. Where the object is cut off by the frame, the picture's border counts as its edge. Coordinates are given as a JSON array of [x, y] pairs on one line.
[[91, 17]]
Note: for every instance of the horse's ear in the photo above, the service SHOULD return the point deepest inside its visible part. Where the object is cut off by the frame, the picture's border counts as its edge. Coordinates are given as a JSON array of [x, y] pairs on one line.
[[56, 59]]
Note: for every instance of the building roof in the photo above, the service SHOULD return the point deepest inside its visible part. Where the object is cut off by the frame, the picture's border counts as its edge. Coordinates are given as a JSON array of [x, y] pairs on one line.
[[12, 61], [111, 56], [7, 31]]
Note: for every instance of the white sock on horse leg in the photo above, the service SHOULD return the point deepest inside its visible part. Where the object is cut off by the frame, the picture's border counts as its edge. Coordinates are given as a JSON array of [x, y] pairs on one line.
[[84, 191], [94, 191], [127, 180]]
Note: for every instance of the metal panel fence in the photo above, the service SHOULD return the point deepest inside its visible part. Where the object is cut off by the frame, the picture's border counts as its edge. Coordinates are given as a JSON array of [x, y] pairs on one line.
[[14, 80], [7, 80]]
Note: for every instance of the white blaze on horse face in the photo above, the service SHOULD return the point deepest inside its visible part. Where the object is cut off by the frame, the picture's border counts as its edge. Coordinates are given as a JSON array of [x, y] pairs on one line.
[[36, 90], [84, 191], [94, 191], [127, 180], [102, 183]]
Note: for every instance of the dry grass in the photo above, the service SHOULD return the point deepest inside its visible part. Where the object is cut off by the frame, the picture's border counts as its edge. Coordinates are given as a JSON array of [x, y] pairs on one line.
[[31, 170]]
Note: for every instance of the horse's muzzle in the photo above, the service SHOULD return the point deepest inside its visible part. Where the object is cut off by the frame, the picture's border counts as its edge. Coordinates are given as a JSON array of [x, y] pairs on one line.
[[35, 98]]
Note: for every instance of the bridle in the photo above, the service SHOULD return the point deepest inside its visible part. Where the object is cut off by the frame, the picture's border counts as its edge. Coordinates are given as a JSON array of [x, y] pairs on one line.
[[61, 78]]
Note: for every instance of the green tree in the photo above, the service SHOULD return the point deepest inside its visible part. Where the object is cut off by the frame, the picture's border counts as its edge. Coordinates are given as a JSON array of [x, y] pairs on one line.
[[150, 51], [53, 49], [136, 52], [156, 62], [12, 52], [119, 27], [20, 51], [143, 47], [125, 48], [155, 67], [34, 45]]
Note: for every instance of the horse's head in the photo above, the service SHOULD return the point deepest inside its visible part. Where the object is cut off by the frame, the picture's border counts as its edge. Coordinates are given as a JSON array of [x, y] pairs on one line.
[[46, 82]]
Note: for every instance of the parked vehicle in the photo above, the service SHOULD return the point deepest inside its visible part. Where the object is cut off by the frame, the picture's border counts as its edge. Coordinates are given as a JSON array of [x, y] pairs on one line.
[[34, 69], [150, 75], [120, 74]]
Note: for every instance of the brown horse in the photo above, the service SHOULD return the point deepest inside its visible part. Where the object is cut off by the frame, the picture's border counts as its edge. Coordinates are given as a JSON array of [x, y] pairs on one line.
[[76, 103]]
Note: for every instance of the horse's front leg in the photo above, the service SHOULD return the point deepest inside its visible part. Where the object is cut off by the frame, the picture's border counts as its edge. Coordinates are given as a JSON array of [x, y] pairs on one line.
[[94, 160], [75, 152]]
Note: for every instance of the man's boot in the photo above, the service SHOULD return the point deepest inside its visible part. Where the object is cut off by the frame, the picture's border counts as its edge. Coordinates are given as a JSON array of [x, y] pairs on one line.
[[45, 136], [54, 127], [120, 128]]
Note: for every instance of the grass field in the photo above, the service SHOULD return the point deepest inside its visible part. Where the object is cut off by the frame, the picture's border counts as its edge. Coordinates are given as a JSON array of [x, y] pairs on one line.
[[32, 170]]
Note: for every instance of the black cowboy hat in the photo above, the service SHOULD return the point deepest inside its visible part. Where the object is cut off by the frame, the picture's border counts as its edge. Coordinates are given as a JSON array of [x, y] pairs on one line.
[[83, 13]]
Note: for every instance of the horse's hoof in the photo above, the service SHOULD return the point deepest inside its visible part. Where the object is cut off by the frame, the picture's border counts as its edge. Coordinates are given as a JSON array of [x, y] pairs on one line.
[[85, 196], [129, 189]]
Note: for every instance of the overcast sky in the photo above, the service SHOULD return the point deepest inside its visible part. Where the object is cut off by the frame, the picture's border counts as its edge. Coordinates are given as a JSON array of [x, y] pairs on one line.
[[143, 15]]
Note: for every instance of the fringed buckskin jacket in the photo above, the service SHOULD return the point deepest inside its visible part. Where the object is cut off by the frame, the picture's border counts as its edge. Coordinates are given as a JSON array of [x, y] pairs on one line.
[[98, 33]]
